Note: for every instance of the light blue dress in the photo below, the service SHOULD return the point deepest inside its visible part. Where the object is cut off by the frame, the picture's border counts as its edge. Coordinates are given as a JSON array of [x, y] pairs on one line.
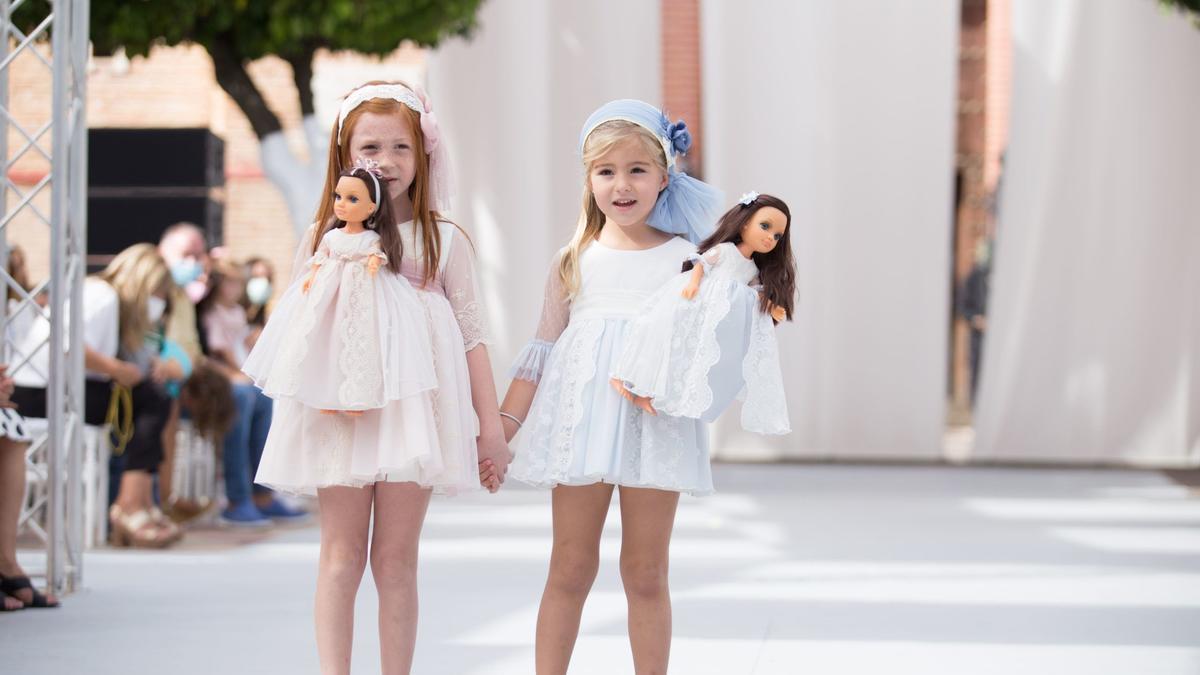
[[579, 430]]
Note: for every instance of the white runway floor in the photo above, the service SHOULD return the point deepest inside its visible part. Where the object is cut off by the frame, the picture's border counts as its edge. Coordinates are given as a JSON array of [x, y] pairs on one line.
[[788, 570]]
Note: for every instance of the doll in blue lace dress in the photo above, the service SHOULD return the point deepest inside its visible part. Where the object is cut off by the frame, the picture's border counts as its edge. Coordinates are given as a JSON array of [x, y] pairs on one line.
[[709, 333]]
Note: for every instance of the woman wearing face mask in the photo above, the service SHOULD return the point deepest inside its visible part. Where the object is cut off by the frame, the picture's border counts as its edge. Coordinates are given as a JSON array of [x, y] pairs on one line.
[[259, 287], [123, 308]]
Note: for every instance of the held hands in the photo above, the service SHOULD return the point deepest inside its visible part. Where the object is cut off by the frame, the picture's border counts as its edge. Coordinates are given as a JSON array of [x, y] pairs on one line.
[[494, 458]]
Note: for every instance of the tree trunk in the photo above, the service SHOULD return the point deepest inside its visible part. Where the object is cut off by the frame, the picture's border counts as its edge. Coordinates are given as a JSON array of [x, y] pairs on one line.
[[302, 74], [297, 181], [235, 80]]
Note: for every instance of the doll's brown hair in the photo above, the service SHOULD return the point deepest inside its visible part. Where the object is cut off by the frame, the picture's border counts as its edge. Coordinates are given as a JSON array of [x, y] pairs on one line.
[[777, 269]]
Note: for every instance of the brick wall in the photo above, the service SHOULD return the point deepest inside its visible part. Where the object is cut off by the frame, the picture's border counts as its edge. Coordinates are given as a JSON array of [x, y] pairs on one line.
[[681, 72]]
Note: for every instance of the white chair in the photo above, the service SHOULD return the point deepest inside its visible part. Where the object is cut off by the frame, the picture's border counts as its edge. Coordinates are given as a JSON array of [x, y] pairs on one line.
[[194, 472], [93, 479]]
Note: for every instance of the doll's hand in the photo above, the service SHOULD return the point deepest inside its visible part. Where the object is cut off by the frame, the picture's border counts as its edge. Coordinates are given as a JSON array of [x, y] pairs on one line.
[[778, 313], [690, 291], [308, 283], [373, 265]]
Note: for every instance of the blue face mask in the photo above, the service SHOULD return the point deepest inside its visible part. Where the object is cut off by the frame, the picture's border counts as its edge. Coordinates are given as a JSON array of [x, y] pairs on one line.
[[258, 290], [185, 271]]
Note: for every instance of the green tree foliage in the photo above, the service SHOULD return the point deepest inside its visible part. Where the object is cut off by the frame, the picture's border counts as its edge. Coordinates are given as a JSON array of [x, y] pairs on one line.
[[238, 31], [1188, 7]]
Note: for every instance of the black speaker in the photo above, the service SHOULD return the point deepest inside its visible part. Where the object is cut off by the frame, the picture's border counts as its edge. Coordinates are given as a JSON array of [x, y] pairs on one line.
[[143, 158], [141, 181]]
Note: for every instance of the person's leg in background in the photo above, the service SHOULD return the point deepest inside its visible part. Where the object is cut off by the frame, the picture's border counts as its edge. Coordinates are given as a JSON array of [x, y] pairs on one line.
[[134, 516], [236, 455], [264, 498], [12, 493]]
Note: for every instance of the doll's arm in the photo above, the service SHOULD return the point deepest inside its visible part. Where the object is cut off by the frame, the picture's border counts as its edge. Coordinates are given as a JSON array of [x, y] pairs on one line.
[[700, 263], [376, 259], [321, 255], [778, 313], [693, 285]]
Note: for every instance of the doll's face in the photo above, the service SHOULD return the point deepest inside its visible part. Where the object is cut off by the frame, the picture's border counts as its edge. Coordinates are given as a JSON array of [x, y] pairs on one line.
[[764, 229], [625, 182], [387, 139], [351, 201]]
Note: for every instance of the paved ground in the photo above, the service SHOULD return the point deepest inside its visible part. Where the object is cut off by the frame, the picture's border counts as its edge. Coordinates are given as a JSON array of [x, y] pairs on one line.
[[792, 569]]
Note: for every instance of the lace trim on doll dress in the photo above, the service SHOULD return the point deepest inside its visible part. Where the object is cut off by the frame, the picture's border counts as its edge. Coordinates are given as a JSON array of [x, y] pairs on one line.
[[765, 408], [689, 395], [296, 350], [362, 382]]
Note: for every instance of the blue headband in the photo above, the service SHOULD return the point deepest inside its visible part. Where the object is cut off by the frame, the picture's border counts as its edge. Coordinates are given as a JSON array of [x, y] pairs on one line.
[[686, 206]]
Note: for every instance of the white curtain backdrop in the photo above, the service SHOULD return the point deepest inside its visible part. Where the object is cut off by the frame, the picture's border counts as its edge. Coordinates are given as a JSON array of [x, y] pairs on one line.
[[846, 110], [512, 102], [1094, 350]]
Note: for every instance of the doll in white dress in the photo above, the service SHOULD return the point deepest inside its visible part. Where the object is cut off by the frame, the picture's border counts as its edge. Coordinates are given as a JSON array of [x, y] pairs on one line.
[[709, 333], [348, 335]]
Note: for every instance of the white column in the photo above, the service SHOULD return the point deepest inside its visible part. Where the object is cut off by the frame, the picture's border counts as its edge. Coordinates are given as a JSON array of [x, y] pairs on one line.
[[847, 112]]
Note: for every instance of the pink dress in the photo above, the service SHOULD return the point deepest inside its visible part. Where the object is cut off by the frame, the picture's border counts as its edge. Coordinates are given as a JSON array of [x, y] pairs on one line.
[[429, 438]]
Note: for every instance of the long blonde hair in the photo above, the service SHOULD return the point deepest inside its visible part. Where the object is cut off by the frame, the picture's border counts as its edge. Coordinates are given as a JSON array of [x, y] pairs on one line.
[[135, 274], [424, 214], [591, 220]]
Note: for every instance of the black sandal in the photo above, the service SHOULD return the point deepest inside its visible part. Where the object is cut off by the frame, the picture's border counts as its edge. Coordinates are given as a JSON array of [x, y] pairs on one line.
[[10, 586]]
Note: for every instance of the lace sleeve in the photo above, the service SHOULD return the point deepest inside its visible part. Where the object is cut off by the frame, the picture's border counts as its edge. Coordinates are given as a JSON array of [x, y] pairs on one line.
[[556, 312], [376, 251], [461, 281], [709, 258]]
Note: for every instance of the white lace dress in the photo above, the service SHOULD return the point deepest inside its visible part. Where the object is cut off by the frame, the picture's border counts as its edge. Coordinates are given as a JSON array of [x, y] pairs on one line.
[[428, 439], [579, 430], [352, 341], [693, 357]]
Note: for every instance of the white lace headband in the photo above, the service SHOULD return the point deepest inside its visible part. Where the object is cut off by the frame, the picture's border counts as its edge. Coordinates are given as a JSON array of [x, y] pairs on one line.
[[395, 92]]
